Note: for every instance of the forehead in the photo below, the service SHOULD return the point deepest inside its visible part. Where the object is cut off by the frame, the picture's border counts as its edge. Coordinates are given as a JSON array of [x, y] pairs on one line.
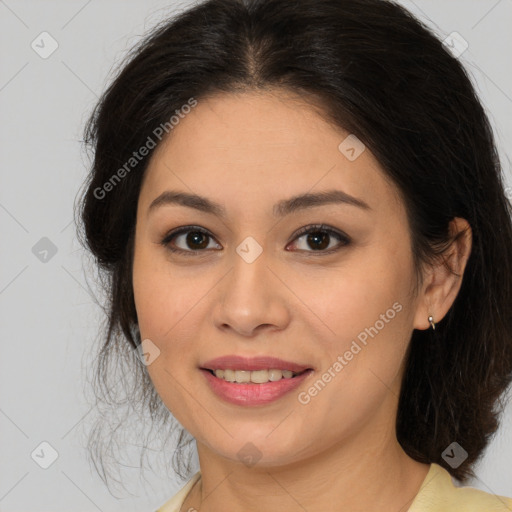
[[262, 147]]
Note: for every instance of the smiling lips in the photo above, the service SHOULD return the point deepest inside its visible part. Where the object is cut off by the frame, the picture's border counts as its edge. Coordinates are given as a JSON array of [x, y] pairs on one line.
[[233, 362], [253, 381]]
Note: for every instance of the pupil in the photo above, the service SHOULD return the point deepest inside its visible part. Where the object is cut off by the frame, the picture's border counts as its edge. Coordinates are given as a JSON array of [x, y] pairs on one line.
[[192, 239], [323, 239]]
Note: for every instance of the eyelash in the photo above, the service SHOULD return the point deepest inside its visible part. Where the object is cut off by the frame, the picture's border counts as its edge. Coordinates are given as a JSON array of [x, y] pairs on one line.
[[344, 239]]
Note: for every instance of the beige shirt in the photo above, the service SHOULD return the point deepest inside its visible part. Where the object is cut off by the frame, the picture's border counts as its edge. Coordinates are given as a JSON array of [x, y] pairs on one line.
[[437, 494]]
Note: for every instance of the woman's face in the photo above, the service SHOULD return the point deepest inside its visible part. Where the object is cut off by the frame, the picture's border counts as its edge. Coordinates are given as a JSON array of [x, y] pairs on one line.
[[254, 287]]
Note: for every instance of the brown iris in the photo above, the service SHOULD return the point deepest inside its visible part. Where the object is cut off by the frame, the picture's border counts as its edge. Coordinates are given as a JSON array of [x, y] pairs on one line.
[[192, 238], [318, 237]]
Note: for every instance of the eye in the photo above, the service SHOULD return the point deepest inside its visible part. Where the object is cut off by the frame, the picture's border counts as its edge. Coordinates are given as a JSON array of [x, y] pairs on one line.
[[319, 237], [196, 238]]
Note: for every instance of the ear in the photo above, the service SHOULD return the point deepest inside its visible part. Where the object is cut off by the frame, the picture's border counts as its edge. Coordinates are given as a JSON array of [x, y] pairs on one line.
[[440, 286]]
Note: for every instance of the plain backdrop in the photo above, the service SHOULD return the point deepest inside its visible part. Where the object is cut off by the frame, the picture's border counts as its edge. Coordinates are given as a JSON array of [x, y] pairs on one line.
[[48, 317]]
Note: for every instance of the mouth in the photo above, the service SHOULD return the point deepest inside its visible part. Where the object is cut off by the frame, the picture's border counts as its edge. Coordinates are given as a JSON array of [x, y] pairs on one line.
[[253, 370], [254, 376], [253, 388]]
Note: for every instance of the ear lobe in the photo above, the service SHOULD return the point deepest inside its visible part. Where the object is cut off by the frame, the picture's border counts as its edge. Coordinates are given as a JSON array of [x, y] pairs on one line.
[[444, 280]]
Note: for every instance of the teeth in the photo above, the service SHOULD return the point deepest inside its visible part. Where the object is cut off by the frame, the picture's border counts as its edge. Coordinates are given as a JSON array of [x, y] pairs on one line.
[[257, 376]]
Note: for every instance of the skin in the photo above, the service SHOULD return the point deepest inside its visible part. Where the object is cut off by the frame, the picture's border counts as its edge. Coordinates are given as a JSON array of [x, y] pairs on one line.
[[247, 152]]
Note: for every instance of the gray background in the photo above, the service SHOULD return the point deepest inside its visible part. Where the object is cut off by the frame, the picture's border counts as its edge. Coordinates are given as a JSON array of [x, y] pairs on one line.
[[48, 317]]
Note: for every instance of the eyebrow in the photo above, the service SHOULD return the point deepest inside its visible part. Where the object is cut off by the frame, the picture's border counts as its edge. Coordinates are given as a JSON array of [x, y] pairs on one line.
[[281, 209]]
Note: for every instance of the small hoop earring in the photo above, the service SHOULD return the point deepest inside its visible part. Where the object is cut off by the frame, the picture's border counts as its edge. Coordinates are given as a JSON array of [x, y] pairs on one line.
[[431, 320]]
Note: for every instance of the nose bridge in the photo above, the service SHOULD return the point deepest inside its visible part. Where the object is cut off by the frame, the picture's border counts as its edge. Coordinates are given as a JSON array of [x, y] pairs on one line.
[[250, 272], [249, 297]]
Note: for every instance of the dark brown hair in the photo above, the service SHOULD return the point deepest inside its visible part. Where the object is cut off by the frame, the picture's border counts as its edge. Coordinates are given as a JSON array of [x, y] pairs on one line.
[[382, 75]]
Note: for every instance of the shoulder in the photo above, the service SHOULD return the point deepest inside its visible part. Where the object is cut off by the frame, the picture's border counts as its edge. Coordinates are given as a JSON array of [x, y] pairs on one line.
[[175, 503], [438, 493]]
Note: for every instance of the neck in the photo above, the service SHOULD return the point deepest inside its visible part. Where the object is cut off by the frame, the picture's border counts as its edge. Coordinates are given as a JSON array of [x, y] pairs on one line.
[[357, 475]]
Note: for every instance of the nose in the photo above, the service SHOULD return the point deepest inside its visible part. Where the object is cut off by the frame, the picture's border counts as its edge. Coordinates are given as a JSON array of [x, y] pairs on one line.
[[252, 298]]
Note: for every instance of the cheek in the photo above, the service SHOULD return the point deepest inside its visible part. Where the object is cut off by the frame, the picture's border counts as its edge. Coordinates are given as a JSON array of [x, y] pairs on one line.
[[161, 299], [164, 305], [362, 349], [357, 296], [171, 308], [365, 319]]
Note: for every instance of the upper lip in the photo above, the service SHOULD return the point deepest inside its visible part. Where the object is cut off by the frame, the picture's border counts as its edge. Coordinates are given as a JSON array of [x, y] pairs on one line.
[[234, 362]]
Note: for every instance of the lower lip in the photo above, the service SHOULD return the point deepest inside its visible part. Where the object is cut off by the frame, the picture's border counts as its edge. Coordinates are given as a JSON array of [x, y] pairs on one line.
[[253, 394]]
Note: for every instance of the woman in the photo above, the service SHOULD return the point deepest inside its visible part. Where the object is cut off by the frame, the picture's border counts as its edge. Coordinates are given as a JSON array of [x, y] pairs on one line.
[[301, 213]]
